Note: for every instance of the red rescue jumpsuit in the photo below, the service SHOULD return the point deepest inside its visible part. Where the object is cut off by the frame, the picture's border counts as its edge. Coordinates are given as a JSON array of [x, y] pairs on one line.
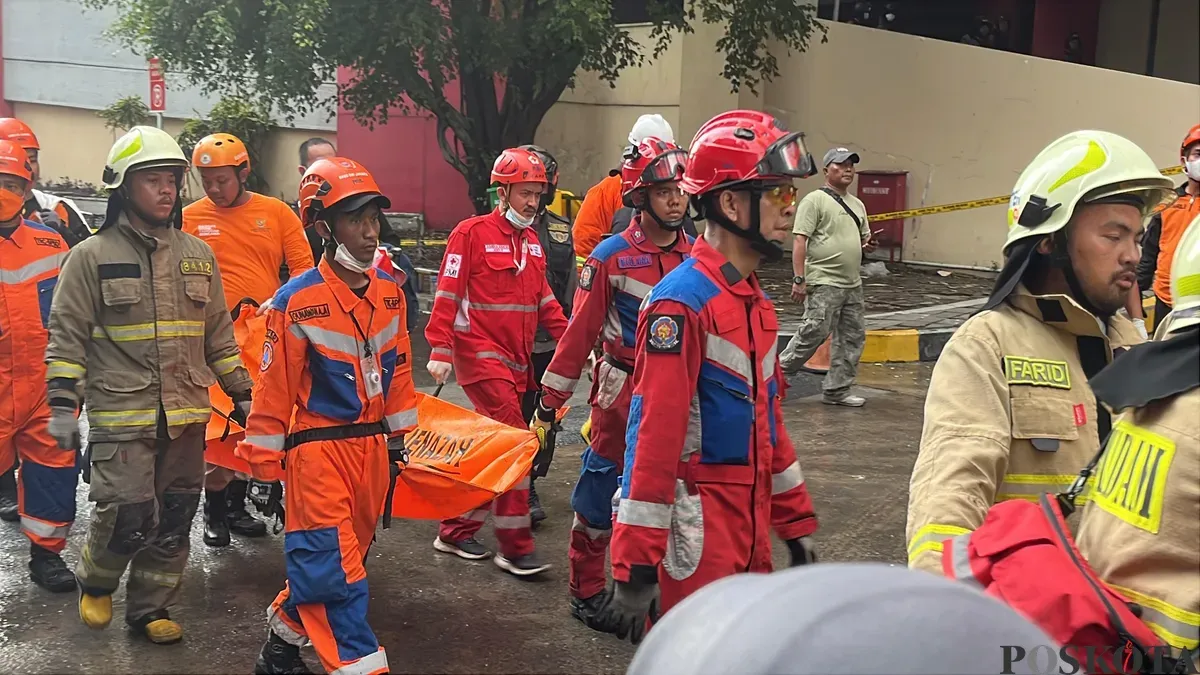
[[29, 263], [492, 294], [612, 284], [321, 337], [709, 466]]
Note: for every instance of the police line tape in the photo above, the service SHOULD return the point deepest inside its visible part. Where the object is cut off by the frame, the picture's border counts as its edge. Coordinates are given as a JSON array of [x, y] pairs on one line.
[[874, 217]]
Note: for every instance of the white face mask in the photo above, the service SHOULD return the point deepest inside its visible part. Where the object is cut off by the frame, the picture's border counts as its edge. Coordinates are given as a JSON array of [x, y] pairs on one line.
[[1192, 168], [516, 219]]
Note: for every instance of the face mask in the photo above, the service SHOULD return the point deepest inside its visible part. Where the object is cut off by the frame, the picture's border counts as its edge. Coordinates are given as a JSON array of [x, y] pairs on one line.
[[342, 255], [516, 219], [10, 205], [1192, 168]]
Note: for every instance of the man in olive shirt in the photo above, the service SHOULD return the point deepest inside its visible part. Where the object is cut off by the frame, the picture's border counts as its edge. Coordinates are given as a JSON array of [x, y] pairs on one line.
[[831, 233]]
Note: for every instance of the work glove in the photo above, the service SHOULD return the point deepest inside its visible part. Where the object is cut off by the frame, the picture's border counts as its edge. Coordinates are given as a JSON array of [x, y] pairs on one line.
[[240, 412], [803, 550], [440, 370], [267, 497], [64, 428], [48, 217], [585, 431], [397, 462], [1140, 325], [545, 426], [627, 609]]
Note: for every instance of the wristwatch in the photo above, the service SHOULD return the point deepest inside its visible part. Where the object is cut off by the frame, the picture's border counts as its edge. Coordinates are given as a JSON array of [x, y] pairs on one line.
[[798, 279]]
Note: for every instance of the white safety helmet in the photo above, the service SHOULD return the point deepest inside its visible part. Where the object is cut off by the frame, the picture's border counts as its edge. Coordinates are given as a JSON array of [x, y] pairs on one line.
[[1082, 166], [1185, 280], [651, 126], [141, 148]]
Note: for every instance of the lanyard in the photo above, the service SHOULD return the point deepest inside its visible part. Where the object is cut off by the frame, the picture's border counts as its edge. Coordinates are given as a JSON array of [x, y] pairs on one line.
[[524, 255], [366, 343]]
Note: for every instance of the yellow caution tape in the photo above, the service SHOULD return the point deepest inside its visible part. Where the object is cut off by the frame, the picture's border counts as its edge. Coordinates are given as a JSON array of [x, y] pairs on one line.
[[876, 217]]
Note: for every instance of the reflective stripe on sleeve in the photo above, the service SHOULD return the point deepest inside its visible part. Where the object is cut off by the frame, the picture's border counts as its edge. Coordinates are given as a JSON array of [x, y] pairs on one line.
[[546, 300], [267, 442], [402, 420], [440, 351], [556, 381], [227, 365], [787, 479], [644, 514], [64, 370], [960, 561], [447, 295], [930, 538]]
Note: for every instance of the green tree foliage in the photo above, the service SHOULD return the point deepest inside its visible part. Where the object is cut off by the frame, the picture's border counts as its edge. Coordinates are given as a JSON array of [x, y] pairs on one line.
[[249, 121], [125, 113], [511, 58]]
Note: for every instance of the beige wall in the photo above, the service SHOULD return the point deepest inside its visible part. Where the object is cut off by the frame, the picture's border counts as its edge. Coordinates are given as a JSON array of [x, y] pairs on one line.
[[75, 144], [963, 121]]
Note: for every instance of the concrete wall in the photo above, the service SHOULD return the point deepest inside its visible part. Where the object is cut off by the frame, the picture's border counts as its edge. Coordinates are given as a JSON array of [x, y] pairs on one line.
[[75, 144], [1124, 35], [963, 121]]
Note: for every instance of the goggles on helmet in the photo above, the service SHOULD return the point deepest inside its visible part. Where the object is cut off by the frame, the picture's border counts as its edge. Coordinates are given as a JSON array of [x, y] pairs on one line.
[[788, 156]]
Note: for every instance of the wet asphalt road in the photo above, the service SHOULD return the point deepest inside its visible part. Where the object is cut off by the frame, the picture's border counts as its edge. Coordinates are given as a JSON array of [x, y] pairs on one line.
[[437, 614]]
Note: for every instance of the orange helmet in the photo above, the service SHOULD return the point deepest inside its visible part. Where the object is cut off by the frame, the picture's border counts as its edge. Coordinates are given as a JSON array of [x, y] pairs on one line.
[[517, 165], [1192, 137], [337, 182], [14, 161], [220, 150], [18, 132]]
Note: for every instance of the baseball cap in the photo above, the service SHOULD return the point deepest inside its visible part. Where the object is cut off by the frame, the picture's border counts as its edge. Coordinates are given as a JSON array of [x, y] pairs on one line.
[[839, 155], [838, 619]]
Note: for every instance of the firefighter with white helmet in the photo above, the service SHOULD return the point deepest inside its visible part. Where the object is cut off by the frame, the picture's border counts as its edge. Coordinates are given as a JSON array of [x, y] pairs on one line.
[[1140, 528], [1009, 413]]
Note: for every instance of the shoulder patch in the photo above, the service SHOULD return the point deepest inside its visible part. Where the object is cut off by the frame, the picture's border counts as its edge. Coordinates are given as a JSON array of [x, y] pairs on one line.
[[267, 356], [664, 333], [196, 266], [391, 303], [1037, 372], [453, 265], [633, 261], [586, 275], [307, 313], [555, 226]]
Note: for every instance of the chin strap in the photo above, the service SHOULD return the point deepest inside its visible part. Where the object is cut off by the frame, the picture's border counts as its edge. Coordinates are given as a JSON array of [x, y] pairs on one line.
[[672, 226], [1061, 258], [771, 251]]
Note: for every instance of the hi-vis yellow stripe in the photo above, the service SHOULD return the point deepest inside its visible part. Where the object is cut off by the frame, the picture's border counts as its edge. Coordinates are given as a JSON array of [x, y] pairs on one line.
[[64, 369], [149, 331], [930, 538], [1176, 626], [146, 417]]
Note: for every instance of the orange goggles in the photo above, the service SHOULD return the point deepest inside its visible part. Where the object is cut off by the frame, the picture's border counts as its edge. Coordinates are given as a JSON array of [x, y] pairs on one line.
[[782, 196]]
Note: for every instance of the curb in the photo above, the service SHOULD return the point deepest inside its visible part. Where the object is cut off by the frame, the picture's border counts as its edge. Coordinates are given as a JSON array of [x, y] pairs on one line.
[[905, 345]]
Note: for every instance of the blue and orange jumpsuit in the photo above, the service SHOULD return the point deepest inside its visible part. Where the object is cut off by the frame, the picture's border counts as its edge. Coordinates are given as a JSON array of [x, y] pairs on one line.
[[344, 365], [709, 467], [614, 281], [29, 262], [492, 295]]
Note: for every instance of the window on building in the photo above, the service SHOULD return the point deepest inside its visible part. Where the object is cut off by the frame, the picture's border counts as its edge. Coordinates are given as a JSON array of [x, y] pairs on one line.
[[638, 11]]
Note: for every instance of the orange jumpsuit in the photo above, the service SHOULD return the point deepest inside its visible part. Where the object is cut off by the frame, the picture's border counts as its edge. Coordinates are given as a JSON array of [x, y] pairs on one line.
[[344, 365], [29, 263], [596, 213]]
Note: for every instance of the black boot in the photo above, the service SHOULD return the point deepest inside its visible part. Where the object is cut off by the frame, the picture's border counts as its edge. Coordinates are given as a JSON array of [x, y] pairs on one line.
[[536, 513], [278, 656], [216, 530], [239, 519], [8, 496], [48, 570], [585, 609]]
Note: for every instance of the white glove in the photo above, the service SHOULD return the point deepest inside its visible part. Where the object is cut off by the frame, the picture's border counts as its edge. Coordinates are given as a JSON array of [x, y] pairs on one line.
[[1140, 325], [262, 309], [64, 428], [440, 370]]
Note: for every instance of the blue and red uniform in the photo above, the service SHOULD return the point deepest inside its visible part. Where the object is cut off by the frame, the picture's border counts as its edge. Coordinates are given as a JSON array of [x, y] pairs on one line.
[[616, 278], [30, 258], [709, 467], [343, 364]]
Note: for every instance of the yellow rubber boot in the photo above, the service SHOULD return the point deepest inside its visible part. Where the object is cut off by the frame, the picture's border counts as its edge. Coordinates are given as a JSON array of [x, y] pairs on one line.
[[95, 610], [163, 632]]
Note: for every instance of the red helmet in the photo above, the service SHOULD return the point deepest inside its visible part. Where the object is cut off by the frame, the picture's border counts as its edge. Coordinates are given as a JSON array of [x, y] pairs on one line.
[[337, 182], [741, 146], [1192, 137], [651, 161], [517, 165], [18, 132]]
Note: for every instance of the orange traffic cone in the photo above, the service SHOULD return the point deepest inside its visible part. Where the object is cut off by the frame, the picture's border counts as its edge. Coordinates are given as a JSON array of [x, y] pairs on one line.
[[819, 363]]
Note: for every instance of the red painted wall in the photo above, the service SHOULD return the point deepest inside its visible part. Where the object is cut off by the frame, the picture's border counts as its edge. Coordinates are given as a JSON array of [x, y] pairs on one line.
[[1054, 20], [407, 163]]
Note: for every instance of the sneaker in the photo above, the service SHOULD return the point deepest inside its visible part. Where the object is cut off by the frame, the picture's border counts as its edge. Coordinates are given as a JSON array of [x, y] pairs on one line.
[[585, 609], [536, 513], [468, 549], [523, 566], [279, 658], [8, 496], [849, 400], [48, 570]]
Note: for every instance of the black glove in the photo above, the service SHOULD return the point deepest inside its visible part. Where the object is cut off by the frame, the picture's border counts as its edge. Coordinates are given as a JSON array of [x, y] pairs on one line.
[[626, 611], [397, 457], [268, 500], [545, 425], [241, 410], [803, 550]]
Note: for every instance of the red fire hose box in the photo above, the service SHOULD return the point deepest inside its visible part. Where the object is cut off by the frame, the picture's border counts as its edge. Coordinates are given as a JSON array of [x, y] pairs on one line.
[[885, 192]]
